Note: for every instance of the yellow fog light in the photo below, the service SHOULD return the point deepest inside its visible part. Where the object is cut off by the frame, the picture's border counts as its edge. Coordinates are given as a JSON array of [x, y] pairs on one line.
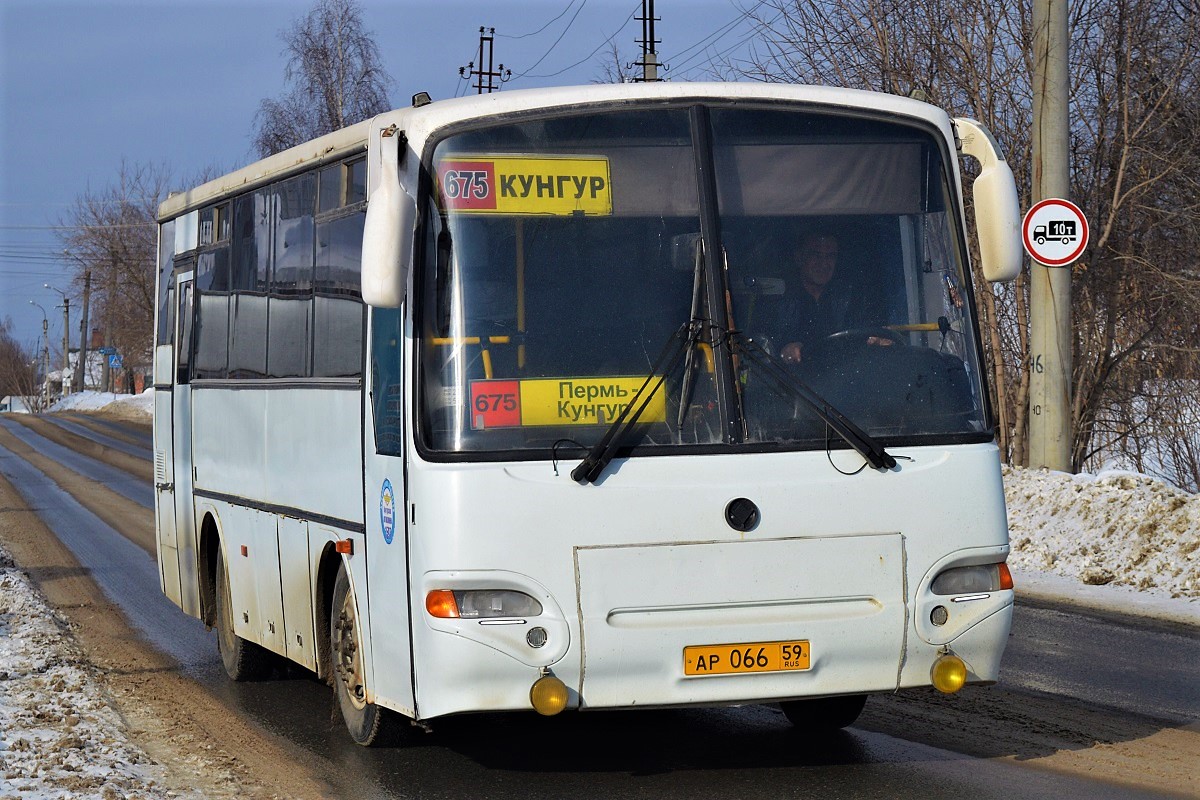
[[948, 674], [548, 695]]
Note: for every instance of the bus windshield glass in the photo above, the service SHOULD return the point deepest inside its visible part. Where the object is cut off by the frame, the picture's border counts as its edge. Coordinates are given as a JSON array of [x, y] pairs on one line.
[[565, 257]]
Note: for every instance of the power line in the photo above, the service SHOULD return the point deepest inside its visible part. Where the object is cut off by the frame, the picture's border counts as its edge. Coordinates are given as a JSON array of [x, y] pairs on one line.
[[556, 41], [42, 205], [77, 227], [723, 30], [31, 254], [461, 88], [589, 56], [547, 25], [754, 32]]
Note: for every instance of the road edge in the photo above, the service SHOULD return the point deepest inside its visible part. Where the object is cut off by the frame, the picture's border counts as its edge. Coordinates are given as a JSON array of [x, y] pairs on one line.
[[1123, 601]]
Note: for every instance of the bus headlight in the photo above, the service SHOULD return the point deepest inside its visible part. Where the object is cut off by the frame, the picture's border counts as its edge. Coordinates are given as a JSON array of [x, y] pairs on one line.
[[972, 580], [480, 604]]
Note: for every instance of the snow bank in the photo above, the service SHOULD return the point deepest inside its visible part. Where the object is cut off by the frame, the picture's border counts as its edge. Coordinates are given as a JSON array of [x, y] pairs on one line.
[[59, 738], [1118, 528], [94, 401]]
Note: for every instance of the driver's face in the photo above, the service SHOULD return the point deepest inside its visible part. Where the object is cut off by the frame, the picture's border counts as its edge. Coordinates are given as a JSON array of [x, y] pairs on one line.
[[819, 260]]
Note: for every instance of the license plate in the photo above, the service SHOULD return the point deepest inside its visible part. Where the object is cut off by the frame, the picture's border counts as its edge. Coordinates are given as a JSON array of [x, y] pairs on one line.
[[734, 659]]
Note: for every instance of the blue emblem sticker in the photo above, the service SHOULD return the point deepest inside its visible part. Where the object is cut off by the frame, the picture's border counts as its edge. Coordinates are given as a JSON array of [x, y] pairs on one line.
[[387, 511]]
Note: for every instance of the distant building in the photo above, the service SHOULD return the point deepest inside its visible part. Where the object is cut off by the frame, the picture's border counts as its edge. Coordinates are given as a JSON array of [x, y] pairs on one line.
[[91, 375], [14, 404]]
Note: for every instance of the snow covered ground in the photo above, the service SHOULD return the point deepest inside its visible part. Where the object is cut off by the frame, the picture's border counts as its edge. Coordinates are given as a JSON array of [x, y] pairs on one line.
[[94, 401], [1121, 541], [1116, 540], [59, 737]]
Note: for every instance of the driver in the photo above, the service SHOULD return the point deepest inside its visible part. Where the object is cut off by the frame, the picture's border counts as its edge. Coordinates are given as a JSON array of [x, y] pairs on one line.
[[823, 305]]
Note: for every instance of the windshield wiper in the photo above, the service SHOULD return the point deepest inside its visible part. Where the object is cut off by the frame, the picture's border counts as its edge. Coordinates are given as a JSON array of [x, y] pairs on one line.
[[683, 339], [866, 446]]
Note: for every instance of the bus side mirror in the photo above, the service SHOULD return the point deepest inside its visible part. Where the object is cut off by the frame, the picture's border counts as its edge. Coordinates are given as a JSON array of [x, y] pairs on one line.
[[387, 248], [997, 212]]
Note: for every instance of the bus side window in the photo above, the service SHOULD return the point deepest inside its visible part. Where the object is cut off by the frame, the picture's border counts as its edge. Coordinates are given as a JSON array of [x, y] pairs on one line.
[[249, 276], [185, 332], [211, 288], [167, 329], [289, 304], [387, 384], [166, 283], [338, 311]]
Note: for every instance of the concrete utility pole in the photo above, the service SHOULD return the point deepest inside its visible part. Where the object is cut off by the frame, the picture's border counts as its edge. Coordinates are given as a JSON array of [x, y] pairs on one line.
[[66, 307], [487, 41], [77, 382], [649, 62], [45, 359], [106, 376], [1050, 409]]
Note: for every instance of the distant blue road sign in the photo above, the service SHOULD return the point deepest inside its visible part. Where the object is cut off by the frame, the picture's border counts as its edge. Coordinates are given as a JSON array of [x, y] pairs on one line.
[[114, 361], [107, 351]]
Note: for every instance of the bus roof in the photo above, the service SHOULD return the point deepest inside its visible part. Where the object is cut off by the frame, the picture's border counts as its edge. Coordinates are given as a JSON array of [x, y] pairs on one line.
[[445, 112], [330, 147], [418, 122]]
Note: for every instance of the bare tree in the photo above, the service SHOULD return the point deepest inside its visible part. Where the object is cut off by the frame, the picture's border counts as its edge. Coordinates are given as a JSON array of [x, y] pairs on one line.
[[614, 68], [335, 78], [1134, 163], [19, 370], [112, 234]]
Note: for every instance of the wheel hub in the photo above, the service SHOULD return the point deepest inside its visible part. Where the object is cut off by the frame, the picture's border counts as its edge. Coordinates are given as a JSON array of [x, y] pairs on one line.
[[348, 654]]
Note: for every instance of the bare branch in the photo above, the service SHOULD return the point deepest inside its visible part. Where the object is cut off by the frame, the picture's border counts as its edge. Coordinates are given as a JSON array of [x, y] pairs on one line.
[[334, 74]]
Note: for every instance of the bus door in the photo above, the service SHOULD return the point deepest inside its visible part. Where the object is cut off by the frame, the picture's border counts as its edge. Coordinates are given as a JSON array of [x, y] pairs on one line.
[[164, 449], [389, 515], [180, 537]]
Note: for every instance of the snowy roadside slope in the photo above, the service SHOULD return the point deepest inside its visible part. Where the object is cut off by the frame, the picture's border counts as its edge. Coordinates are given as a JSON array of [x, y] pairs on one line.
[[59, 737], [94, 401], [1115, 528]]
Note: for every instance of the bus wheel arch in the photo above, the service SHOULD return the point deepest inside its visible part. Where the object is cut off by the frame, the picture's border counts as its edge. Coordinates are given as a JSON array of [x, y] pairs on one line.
[[209, 554], [328, 566], [243, 660]]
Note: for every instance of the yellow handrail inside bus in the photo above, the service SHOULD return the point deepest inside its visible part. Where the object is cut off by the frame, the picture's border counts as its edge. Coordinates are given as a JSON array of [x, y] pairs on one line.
[[914, 326], [445, 341]]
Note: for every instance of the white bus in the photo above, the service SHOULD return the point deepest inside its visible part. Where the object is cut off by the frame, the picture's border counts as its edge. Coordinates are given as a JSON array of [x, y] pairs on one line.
[[487, 404]]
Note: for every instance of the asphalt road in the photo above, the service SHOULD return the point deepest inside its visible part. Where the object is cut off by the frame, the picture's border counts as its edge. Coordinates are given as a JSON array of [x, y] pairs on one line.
[[1089, 705]]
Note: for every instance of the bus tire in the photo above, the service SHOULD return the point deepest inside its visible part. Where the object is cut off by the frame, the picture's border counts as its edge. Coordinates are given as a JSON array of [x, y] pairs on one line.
[[243, 660], [824, 713], [369, 724]]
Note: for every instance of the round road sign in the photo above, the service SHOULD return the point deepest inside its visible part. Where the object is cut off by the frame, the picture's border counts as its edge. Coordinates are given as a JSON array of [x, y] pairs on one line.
[[1055, 232]]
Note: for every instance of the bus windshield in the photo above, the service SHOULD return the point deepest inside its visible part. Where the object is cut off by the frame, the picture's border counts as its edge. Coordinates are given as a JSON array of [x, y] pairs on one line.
[[565, 254]]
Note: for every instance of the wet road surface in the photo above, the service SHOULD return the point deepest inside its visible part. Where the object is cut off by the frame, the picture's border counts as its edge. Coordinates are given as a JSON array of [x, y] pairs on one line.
[[1082, 696]]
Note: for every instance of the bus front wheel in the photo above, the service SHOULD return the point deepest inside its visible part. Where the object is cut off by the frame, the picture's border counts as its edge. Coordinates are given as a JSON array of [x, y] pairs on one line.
[[243, 660], [369, 724], [824, 713]]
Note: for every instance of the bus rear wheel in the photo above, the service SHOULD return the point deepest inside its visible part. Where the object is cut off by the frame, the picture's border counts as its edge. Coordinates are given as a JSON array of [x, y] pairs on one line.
[[824, 713], [243, 660], [369, 724]]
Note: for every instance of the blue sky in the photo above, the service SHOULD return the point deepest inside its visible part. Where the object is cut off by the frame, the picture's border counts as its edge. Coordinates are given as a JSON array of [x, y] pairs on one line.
[[87, 84]]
